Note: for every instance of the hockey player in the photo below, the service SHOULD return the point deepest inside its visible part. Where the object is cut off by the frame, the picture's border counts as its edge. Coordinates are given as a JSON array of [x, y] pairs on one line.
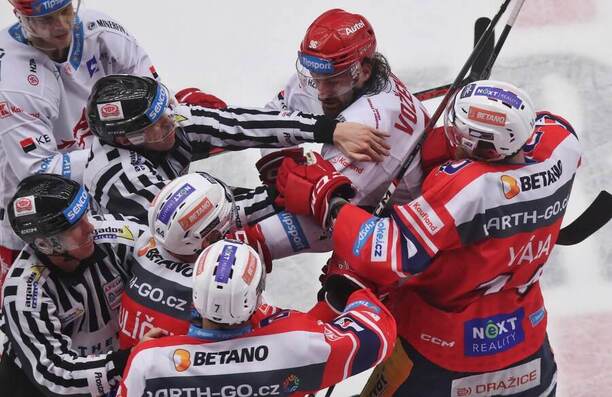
[[289, 353], [468, 253], [340, 74], [50, 60], [189, 213], [62, 295], [141, 147]]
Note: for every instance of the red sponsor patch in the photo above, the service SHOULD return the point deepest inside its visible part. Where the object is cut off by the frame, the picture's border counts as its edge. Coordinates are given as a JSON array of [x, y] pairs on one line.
[[27, 145], [109, 110], [487, 116], [153, 72], [249, 270], [23, 204], [196, 214], [33, 80], [5, 110]]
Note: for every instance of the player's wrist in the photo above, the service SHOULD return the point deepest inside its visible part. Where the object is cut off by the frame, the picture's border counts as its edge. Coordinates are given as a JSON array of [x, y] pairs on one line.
[[324, 130]]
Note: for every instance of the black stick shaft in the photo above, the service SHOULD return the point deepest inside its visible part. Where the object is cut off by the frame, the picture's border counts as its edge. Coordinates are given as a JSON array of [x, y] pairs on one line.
[[382, 206]]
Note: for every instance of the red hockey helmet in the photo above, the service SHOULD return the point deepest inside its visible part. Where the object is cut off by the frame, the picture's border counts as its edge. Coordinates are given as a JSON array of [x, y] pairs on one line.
[[39, 8], [335, 41]]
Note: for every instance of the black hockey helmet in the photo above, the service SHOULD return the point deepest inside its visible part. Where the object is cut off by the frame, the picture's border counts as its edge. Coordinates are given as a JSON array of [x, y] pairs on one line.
[[45, 205], [121, 104]]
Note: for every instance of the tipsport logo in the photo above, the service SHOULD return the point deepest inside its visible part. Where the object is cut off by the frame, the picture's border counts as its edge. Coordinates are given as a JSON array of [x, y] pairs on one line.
[[316, 65], [491, 335], [365, 231]]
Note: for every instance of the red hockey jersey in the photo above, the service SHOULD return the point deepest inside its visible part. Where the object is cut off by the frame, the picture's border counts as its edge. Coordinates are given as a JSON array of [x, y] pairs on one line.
[[290, 353], [469, 252]]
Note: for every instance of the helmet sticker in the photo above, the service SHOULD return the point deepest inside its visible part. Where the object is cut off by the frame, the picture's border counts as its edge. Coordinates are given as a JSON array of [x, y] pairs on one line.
[[159, 103], [77, 207], [227, 258], [110, 111], [196, 214], [487, 116], [501, 95], [173, 202], [24, 206], [316, 64], [249, 270]]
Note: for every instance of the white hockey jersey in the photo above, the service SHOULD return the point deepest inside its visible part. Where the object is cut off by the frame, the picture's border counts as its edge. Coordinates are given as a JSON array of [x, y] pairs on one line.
[[42, 103], [395, 111]]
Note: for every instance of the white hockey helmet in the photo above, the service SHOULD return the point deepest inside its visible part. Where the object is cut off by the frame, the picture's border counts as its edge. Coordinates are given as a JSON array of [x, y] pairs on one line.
[[191, 212], [228, 280], [490, 120]]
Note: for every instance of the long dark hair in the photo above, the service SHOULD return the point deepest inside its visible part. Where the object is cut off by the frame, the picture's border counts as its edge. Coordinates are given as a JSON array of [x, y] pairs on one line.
[[379, 79]]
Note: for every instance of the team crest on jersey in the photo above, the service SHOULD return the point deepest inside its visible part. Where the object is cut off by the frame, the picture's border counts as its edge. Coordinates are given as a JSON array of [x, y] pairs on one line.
[[112, 291]]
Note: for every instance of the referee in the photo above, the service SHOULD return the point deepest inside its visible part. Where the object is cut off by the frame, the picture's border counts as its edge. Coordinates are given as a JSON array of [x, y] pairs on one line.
[[145, 139], [62, 294]]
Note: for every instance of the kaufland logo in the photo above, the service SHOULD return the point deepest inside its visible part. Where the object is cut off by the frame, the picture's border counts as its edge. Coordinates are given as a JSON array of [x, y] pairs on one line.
[[426, 215]]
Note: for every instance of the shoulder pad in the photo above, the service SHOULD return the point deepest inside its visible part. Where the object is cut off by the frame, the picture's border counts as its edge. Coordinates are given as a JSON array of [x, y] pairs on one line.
[[94, 21]]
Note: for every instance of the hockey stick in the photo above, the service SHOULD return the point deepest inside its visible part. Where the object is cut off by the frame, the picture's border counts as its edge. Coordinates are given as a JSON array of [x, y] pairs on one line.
[[592, 219], [480, 27], [386, 199]]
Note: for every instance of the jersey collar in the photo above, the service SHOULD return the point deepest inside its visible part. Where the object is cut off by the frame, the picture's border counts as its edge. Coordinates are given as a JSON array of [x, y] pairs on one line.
[[218, 334]]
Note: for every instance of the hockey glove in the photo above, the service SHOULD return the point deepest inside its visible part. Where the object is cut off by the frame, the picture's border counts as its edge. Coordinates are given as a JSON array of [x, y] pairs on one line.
[[269, 164], [339, 282], [306, 189], [193, 96], [253, 236]]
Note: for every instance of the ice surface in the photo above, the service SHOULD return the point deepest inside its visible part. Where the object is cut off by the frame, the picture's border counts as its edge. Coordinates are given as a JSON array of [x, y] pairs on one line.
[[560, 52]]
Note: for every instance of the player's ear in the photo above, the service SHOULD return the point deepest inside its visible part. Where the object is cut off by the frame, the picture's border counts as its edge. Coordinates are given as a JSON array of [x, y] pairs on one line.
[[366, 71]]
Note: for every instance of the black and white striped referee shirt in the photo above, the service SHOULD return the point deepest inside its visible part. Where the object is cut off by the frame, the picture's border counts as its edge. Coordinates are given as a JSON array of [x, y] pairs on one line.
[[124, 181], [62, 327]]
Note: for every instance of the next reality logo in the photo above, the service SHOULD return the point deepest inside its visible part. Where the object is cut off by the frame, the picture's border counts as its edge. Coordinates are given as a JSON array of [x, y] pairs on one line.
[[490, 335]]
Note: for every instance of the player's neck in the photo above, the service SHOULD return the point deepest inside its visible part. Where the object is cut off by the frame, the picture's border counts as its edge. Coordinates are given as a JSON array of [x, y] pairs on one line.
[[56, 54], [207, 324]]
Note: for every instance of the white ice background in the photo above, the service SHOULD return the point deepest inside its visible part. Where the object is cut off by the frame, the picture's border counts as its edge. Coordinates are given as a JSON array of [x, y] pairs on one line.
[[560, 52]]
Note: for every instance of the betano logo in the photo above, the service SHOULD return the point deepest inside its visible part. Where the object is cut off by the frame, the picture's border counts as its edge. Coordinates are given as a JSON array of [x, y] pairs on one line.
[[510, 186], [182, 360]]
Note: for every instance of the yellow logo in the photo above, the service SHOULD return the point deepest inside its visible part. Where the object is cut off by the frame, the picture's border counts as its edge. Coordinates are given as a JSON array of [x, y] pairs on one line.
[[126, 233], [182, 360], [37, 272], [510, 186]]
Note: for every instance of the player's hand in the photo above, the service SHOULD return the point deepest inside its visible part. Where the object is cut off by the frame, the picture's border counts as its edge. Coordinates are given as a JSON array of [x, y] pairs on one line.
[[339, 282], [360, 142], [193, 96], [268, 165], [153, 333], [307, 188]]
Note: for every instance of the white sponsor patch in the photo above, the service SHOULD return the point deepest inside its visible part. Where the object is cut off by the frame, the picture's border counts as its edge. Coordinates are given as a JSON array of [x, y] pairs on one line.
[[426, 215], [98, 382], [500, 383], [380, 241], [24, 206], [110, 111]]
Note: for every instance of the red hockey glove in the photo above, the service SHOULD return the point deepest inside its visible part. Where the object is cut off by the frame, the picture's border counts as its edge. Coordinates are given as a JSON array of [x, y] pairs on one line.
[[193, 96], [253, 236], [307, 188], [269, 164]]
